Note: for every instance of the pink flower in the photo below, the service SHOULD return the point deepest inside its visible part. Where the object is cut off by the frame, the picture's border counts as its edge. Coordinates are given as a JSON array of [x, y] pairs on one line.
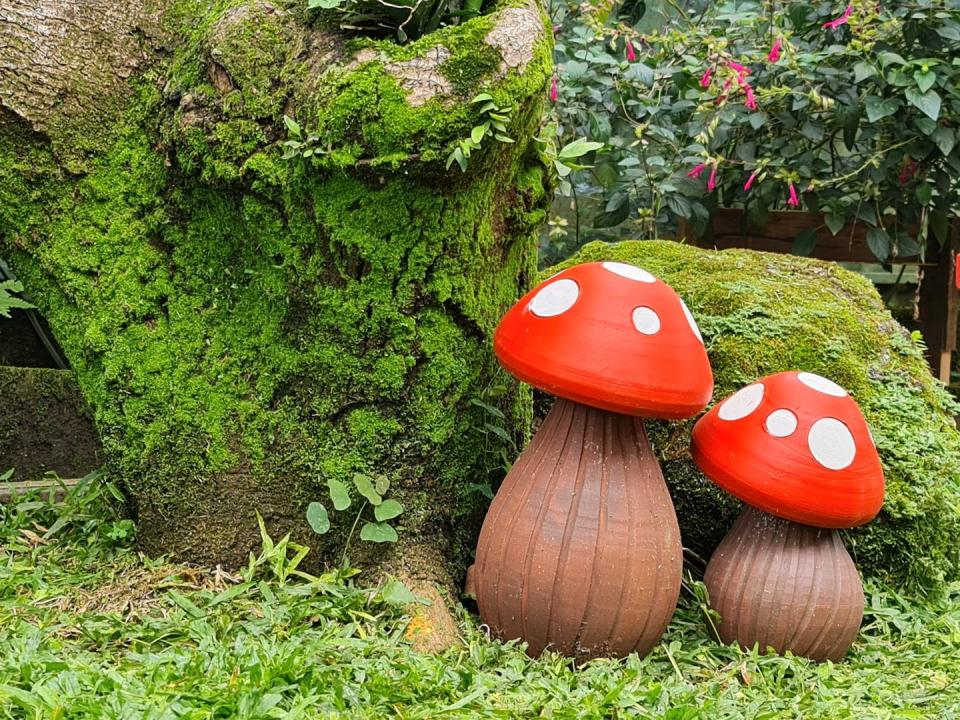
[[631, 53], [751, 101], [706, 78], [738, 68], [842, 20], [749, 183], [695, 173], [712, 180], [554, 90], [794, 201], [774, 54]]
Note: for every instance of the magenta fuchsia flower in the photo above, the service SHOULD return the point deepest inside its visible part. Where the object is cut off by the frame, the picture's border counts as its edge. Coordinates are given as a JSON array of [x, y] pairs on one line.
[[706, 78], [749, 183], [774, 54], [554, 89], [631, 53], [842, 20], [793, 201], [741, 70], [712, 180], [751, 98], [697, 171]]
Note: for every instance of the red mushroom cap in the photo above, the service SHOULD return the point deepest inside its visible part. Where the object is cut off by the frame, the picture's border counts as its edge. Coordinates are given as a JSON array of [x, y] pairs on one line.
[[794, 445], [611, 336]]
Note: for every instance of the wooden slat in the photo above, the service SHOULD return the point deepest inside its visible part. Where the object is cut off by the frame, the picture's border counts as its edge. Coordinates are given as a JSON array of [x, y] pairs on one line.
[[938, 304], [730, 231], [10, 490]]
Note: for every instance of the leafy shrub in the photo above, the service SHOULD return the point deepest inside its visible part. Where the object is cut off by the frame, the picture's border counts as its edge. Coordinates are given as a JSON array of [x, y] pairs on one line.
[[852, 113]]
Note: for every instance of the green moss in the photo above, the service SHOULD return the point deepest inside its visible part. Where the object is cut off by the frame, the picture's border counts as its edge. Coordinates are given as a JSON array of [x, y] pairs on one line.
[[247, 328], [762, 313]]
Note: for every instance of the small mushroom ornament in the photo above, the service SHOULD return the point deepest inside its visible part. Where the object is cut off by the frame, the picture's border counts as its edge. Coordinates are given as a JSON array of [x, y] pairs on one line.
[[796, 449], [580, 550]]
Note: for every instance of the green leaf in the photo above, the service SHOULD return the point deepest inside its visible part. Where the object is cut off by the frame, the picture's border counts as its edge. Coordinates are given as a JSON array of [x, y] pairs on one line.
[[940, 225], [339, 494], [945, 138], [925, 80], [317, 518], [388, 510], [862, 71], [324, 4], [928, 102], [185, 604], [6, 475], [477, 133], [612, 217], [396, 593], [805, 242], [888, 58], [879, 243], [381, 484], [757, 214], [365, 487], [487, 408], [679, 205], [907, 246], [878, 109], [924, 193], [835, 221], [757, 120], [849, 116], [293, 127], [378, 532], [499, 432], [578, 148]]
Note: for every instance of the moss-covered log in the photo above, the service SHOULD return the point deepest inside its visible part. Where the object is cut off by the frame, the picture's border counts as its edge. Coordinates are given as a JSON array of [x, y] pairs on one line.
[[762, 313], [248, 328]]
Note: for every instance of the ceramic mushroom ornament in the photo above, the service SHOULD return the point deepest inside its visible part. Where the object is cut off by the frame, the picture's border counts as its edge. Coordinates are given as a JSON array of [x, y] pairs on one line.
[[580, 551], [794, 447]]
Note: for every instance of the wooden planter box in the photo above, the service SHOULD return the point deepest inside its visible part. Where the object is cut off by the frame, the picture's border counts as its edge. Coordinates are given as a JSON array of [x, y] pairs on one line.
[[937, 302], [730, 230]]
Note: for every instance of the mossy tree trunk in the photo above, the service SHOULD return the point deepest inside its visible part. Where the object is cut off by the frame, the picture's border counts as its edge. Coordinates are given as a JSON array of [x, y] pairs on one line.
[[248, 328]]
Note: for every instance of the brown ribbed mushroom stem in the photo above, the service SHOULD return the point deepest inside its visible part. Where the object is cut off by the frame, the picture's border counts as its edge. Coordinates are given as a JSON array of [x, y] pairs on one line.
[[785, 586], [580, 551]]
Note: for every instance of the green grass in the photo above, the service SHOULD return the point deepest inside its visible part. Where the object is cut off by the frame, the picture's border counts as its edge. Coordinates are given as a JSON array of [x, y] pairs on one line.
[[92, 629]]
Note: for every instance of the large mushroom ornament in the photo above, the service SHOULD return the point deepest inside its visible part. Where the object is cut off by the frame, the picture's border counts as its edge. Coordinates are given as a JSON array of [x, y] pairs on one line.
[[796, 449], [580, 551]]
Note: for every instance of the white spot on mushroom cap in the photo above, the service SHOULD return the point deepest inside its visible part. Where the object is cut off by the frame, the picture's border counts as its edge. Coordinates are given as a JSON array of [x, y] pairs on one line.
[[555, 299], [741, 403], [781, 423], [831, 443], [821, 384], [631, 272], [693, 323], [647, 321]]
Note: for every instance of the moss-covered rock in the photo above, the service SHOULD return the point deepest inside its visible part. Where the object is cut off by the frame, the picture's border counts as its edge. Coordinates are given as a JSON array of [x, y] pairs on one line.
[[248, 328], [762, 313]]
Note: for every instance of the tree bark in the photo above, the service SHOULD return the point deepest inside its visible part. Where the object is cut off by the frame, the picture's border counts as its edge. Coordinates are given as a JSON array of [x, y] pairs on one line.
[[249, 329]]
